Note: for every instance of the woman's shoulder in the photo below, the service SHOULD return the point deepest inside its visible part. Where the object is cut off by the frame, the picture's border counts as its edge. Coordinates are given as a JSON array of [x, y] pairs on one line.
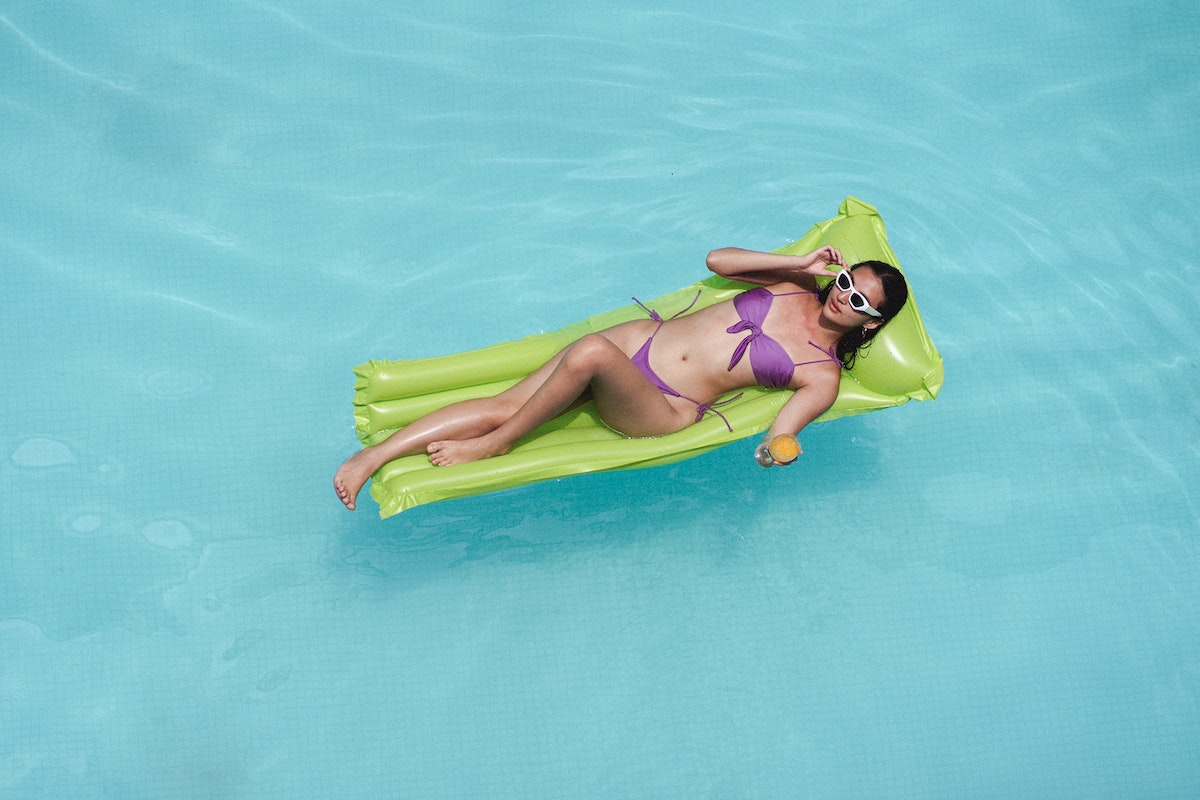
[[788, 288], [820, 378]]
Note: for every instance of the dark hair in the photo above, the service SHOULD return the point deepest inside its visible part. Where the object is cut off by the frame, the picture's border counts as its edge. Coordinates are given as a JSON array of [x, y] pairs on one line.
[[895, 294]]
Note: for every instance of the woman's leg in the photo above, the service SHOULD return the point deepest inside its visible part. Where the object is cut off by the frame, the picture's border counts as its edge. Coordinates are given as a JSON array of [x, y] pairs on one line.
[[462, 420], [625, 400]]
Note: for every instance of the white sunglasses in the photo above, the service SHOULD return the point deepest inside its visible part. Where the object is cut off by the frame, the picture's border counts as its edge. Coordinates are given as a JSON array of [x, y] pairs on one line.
[[858, 300]]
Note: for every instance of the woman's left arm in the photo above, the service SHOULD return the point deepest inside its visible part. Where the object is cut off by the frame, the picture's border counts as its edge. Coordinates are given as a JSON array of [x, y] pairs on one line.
[[806, 404]]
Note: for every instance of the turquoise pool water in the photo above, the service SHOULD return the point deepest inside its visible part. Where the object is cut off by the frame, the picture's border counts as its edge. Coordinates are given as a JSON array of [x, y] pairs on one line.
[[210, 216]]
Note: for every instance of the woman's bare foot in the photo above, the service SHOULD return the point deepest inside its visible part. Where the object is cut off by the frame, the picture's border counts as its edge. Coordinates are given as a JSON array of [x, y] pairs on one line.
[[351, 476], [462, 451]]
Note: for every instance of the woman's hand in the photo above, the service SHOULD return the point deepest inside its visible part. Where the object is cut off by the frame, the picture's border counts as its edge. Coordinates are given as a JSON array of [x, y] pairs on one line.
[[752, 266], [778, 451], [817, 262]]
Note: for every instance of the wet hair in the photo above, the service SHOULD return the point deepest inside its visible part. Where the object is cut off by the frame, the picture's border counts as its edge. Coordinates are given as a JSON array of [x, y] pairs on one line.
[[895, 294]]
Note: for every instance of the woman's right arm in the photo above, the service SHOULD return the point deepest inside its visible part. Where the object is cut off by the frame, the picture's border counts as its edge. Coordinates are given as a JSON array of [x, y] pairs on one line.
[[753, 266]]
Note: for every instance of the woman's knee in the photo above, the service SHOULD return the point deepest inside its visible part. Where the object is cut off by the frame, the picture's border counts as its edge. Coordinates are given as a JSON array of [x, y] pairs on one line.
[[590, 353]]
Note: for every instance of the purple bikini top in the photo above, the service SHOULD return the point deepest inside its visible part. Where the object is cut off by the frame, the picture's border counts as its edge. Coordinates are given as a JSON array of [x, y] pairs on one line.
[[772, 366]]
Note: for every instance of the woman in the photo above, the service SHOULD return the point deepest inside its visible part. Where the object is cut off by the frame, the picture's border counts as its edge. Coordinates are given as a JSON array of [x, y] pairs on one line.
[[655, 376]]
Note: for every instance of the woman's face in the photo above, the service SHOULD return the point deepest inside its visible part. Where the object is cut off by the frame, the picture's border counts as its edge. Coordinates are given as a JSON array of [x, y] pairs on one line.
[[837, 305]]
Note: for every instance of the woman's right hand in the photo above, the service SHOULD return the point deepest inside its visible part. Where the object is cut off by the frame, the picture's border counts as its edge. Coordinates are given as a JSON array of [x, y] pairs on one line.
[[753, 266], [817, 262]]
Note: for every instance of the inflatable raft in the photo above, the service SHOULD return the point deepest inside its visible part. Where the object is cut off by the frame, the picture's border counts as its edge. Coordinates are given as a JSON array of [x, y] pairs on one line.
[[901, 364]]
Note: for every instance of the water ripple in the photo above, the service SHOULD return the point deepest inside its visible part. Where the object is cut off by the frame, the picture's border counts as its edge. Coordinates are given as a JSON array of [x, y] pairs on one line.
[[118, 84], [320, 36]]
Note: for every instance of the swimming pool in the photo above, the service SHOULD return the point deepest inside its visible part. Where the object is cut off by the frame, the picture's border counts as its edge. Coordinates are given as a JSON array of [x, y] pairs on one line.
[[211, 217]]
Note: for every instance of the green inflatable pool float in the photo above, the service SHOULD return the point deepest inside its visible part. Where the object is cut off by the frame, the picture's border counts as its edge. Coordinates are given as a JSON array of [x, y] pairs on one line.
[[901, 365]]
